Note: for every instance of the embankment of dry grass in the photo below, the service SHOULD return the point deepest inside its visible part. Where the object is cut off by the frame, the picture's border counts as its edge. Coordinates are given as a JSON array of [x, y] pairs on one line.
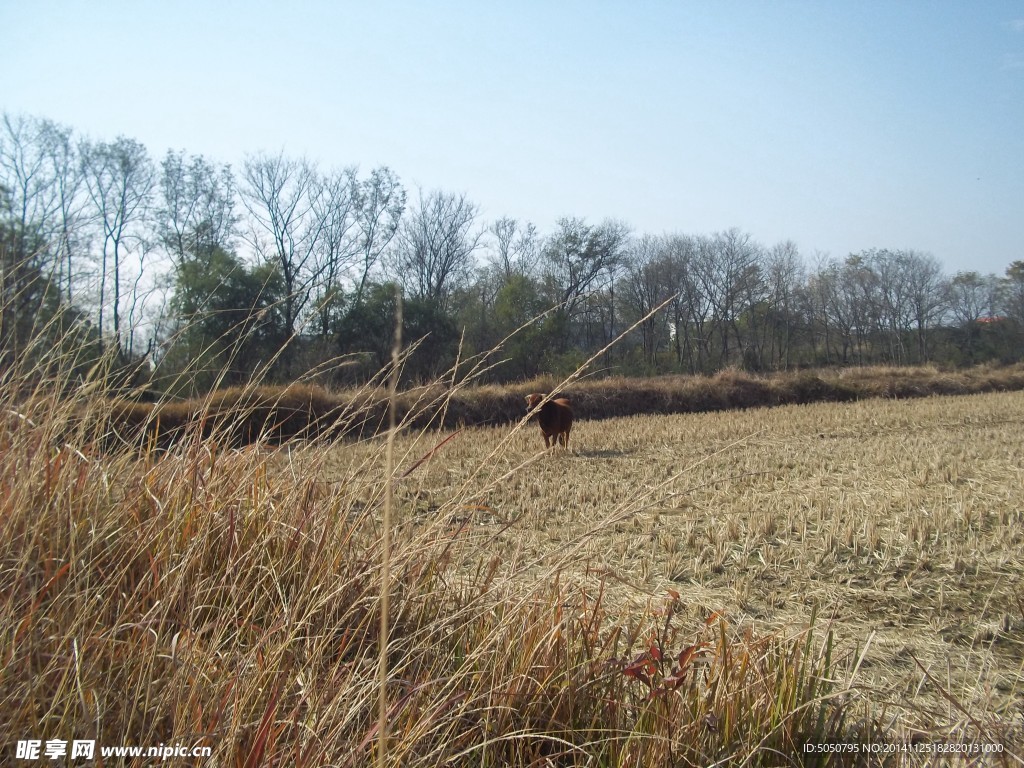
[[301, 411]]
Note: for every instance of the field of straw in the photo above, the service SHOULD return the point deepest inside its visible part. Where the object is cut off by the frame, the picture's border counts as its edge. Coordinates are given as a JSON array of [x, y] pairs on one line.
[[900, 524], [723, 588]]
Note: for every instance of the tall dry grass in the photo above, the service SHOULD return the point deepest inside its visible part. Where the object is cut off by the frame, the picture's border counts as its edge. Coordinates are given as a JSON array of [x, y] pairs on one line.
[[195, 593]]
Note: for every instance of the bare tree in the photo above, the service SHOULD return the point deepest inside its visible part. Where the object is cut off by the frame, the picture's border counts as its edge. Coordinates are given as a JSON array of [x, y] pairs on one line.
[[579, 258], [120, 178], [281, 196], [516, 248], [70, 212], [926, 294], [647, 283], [197, 211], [862, 302], [728, 267], [893, 290], [690, 310], [784, 273], [337, 248], [970, 297], [1012, 292], [379, 203], [27, 177], [28, 205], [973, 296], [435, 246], [816, 295]]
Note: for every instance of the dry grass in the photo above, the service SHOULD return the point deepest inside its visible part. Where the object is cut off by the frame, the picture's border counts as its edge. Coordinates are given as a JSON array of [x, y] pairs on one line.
[[902, 522], [211, 596], [669, 593], [243, 415]]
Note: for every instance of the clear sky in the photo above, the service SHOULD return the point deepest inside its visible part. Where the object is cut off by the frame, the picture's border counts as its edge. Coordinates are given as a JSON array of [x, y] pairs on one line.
[[840, 125]]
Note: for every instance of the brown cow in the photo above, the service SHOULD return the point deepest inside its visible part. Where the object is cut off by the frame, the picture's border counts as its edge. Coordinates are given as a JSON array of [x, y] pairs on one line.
[[555, 418]]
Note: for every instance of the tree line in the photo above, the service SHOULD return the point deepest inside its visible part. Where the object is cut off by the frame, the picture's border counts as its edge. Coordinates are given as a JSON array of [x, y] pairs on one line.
[[201, 275]]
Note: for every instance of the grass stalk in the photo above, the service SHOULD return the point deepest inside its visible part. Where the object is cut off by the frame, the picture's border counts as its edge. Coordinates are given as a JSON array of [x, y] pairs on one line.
[[385, 560]]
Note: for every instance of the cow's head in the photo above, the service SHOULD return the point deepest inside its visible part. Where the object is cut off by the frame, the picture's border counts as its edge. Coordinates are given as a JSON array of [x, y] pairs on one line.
[[532, 401]]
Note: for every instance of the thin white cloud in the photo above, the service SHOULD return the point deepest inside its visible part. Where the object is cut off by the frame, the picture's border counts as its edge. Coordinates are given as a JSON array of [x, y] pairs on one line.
[[1017, 25]]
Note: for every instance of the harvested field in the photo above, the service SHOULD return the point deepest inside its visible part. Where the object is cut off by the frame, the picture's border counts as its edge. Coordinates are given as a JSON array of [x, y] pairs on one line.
[[900, 522]]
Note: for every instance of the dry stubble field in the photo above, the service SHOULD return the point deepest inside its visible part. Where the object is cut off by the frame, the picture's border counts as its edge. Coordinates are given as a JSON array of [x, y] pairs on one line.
[[900, 522]]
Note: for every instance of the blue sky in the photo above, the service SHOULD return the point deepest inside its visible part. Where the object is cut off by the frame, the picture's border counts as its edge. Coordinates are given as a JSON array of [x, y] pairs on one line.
[[840, 125]]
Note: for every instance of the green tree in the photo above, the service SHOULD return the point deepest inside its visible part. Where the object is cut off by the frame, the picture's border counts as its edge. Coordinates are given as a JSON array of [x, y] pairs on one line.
[[518, 307], [230, 325], [24, 289], [368, 328], [37, 328]]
